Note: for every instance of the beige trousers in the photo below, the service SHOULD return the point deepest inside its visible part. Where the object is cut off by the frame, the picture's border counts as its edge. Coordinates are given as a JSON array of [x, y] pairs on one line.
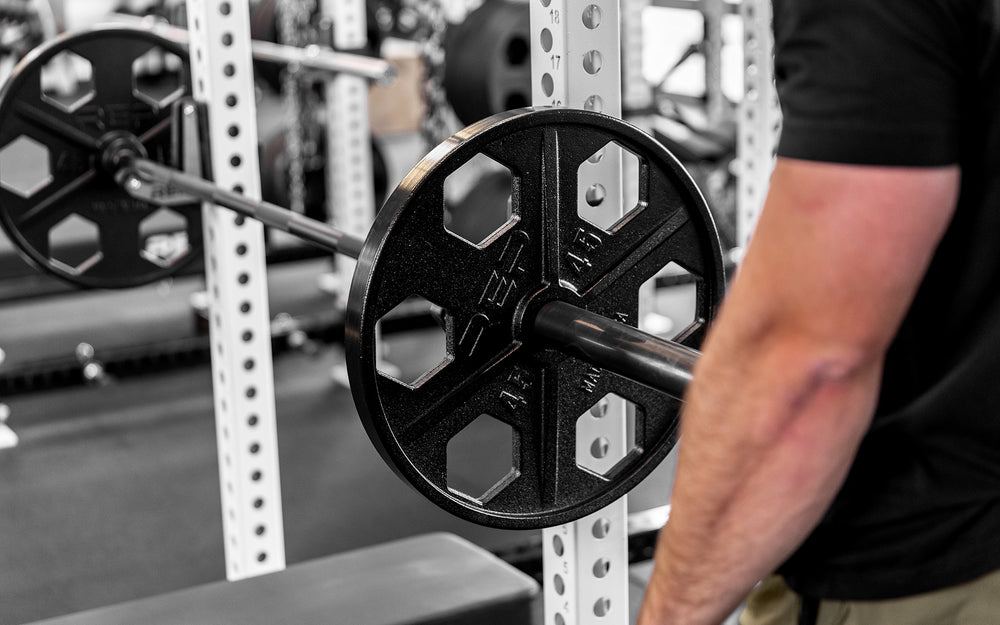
[[973, 603]]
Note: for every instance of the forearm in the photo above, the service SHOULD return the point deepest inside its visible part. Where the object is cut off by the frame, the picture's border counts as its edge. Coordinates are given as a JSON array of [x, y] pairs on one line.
[[756, 470], [789, 378]]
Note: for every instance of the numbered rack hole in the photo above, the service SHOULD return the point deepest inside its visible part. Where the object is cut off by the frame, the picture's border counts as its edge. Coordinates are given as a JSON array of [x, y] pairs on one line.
[[608, 192], [600, 528], [411, 343], [163, 237], [68, 81], [478, 205], [548, 85], [158, 78], [606, 434], [594, 103], [668, 302], [545, 38], [481, 458], [602, 606], [593, 60], [557, 545]]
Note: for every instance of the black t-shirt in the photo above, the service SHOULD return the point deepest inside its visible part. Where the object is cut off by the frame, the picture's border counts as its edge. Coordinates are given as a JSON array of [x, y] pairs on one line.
[[912, 83]]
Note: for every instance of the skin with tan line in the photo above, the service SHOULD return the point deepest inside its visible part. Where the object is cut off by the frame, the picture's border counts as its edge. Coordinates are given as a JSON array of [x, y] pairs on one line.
[[790, 374]]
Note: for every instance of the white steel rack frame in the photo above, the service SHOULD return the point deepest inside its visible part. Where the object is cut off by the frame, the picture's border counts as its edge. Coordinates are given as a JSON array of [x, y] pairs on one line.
[[576, 62], [350, 196], [242, 377], [585, 563], [715, 100], [637, 93], [759, 117]]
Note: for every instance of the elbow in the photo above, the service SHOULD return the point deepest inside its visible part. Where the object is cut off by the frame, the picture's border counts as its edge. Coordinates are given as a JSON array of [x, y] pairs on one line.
[[828, 350], [821, 363], [813, 377], [838, 364]]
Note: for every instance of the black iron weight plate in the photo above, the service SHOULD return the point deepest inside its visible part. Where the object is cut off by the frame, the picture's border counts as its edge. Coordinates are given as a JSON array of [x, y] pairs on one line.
[[495, 365], [489, 61], [74, 137]]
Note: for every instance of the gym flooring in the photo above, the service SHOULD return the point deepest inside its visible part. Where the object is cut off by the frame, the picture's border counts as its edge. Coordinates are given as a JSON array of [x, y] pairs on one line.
[[113, 492]]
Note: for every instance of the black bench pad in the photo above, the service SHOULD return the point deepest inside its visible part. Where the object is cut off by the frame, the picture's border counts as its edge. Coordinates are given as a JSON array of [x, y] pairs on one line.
[[432, 579]]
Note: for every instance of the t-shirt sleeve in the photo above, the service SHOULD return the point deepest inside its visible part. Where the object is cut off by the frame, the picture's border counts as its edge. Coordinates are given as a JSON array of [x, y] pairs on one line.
[[869, 82]]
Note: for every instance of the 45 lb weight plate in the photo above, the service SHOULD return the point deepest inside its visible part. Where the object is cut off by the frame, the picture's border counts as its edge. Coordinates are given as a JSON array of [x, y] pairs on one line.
[[489, 291]]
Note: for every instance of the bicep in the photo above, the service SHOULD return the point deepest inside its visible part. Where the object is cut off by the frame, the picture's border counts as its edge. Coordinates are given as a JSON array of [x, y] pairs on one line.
[[840, 250]]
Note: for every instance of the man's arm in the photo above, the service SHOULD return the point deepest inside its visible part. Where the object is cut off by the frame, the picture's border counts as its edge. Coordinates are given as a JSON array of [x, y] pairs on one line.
[[790, 374]]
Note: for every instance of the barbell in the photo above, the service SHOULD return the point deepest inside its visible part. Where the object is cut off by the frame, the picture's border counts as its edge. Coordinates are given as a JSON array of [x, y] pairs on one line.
[[313, 57], [540, 316]]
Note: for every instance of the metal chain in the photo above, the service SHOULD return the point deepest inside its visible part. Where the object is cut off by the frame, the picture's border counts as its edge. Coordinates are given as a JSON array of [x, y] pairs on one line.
[[436, 125], [293, 19]]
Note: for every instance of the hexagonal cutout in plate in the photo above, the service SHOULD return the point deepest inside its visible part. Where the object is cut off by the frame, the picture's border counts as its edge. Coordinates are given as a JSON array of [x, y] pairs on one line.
[[605, 434], [411, 342], [68, 81], [75, 244], [481, 458], [478, 200], [598, 200], [24, 166], [163, 236], [668, 302], [518, 51], [158, 77]]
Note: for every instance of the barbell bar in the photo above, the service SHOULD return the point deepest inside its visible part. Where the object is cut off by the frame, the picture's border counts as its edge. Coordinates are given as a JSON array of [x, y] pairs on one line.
[[540, 316], [615, 346], [311, 58], [137, 171]]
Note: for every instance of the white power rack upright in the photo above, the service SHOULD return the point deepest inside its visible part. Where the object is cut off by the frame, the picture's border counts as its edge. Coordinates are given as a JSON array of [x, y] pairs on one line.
[[759, 117], [243, 382], [576, 62], [350, 196]]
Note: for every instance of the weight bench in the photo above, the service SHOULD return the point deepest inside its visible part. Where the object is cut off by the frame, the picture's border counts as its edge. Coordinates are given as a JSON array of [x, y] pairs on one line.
[[432, 579]]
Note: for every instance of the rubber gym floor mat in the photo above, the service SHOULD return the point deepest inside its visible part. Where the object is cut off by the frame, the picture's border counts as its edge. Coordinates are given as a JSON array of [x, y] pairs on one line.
[[114, 494]]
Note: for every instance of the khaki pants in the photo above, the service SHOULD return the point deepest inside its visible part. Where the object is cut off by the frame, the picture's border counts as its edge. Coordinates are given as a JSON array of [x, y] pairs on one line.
[[973, 603]]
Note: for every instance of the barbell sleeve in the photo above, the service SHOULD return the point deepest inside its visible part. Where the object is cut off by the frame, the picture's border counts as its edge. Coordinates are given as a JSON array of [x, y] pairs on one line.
[[316, 58], [313, 57], [622, 349]]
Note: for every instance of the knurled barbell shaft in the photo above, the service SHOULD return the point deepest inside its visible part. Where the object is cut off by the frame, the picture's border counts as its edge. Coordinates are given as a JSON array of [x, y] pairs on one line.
[[315, 58], [601, 341], [316, 232]]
